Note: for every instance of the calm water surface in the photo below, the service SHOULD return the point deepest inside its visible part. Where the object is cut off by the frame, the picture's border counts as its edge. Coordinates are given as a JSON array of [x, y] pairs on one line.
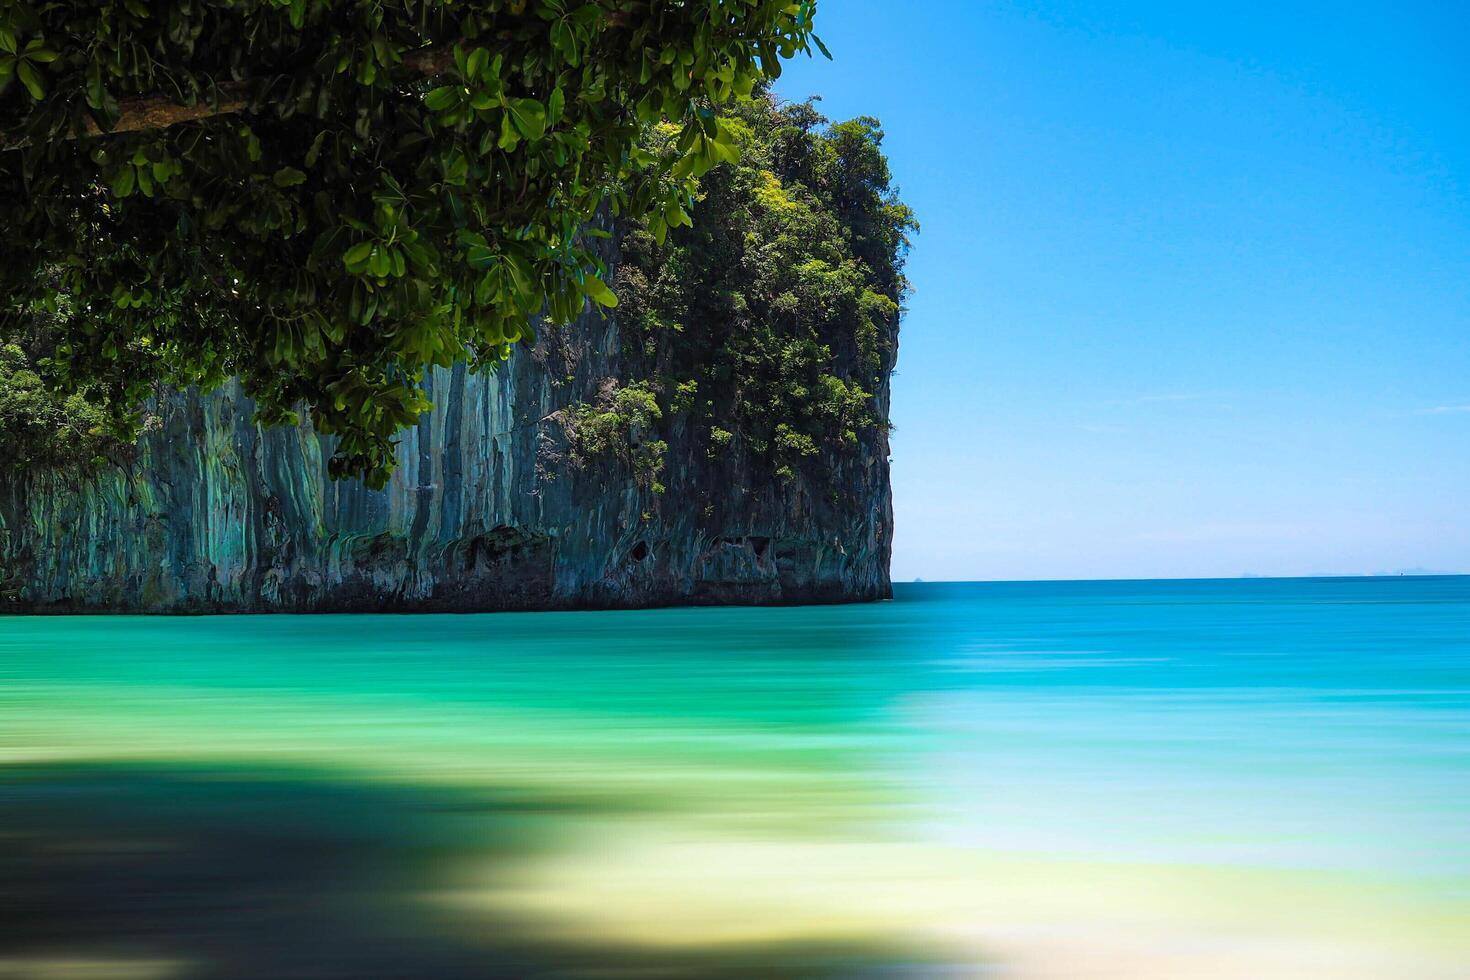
[[1225, 778]]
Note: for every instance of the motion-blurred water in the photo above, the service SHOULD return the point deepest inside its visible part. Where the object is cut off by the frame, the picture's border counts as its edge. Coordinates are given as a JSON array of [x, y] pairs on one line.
[[1225, 778]]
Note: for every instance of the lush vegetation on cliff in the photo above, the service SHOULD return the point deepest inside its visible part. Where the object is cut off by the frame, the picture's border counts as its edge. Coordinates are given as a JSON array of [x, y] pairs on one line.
[[324, 197], [770, 322], [44, 428]]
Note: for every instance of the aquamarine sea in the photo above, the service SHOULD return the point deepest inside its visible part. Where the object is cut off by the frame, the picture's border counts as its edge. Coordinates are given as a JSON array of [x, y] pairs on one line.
[[1244, 778]]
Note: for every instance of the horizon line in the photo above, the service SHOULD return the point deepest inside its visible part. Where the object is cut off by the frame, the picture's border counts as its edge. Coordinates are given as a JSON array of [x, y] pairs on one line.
[[1177, 578]]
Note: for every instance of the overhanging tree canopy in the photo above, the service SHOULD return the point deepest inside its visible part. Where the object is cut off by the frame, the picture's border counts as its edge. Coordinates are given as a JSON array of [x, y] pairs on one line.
[[324, 197]]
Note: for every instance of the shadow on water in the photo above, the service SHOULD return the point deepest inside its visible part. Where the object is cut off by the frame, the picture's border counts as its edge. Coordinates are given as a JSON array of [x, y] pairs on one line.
[[252, 873]]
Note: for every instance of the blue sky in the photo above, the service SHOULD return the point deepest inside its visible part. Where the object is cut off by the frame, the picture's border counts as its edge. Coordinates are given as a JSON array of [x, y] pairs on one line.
[[1192, 296]]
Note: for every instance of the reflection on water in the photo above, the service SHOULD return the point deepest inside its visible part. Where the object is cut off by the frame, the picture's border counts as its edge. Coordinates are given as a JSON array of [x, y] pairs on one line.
[[1258, 778]]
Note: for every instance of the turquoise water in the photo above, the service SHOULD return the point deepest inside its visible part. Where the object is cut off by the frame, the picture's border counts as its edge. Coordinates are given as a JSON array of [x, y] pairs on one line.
[[1255, 777]]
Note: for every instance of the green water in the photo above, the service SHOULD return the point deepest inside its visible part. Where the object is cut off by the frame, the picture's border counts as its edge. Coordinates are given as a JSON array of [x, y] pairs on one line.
[[1253, 778]]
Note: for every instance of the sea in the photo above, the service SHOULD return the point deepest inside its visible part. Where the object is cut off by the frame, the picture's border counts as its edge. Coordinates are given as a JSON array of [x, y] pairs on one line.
[[1215, 778]]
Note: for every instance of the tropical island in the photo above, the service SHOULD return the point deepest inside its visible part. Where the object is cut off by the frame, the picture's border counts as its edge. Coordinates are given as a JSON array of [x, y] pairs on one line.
[[580, 319]]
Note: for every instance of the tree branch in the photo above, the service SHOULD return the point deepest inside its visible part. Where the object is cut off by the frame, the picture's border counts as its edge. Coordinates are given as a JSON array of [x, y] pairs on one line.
[[160, 112]]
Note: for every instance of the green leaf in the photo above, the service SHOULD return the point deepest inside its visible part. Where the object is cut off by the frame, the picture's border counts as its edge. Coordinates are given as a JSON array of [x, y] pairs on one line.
[[288, 177], [685, 167], [31, 79], [38, 52], [315, 151], [727, 152], [252, 143], [381, 263], [480, 257], [356, 257], [122, 184], [508, 135], [598, 292], [443, 98], [564, 40], [529, 117], [95, 92], [475, 63], [520, 273], [457, 169]]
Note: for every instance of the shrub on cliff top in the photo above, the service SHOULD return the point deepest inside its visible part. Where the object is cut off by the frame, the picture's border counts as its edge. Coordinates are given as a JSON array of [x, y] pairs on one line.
[[780, 305], [324, 197], [620, 427], [39, 428]]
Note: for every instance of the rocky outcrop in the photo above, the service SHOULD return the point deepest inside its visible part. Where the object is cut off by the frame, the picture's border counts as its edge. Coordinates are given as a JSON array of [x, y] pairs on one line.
[[487, 510]]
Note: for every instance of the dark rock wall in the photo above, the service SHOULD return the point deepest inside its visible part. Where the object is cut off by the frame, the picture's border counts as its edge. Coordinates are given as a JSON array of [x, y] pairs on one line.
[[486, 511]]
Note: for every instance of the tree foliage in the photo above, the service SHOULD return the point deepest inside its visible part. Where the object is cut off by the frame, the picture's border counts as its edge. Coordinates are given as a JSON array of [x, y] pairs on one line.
[[42, 429], [774, 316], [324, 197], [620, 427]]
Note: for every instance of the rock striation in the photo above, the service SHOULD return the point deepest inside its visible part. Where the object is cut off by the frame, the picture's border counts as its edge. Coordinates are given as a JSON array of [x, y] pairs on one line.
[[488, 510]]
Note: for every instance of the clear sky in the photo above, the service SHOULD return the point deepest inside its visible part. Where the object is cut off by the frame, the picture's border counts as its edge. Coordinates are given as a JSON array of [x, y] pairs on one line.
[[1192, 296]]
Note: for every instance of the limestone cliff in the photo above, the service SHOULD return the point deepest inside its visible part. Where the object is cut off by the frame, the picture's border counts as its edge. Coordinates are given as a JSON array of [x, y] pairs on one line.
[[487, 510], [723, 439]]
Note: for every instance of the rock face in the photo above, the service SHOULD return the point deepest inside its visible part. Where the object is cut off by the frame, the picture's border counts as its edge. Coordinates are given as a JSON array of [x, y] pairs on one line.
[[487, 510]]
